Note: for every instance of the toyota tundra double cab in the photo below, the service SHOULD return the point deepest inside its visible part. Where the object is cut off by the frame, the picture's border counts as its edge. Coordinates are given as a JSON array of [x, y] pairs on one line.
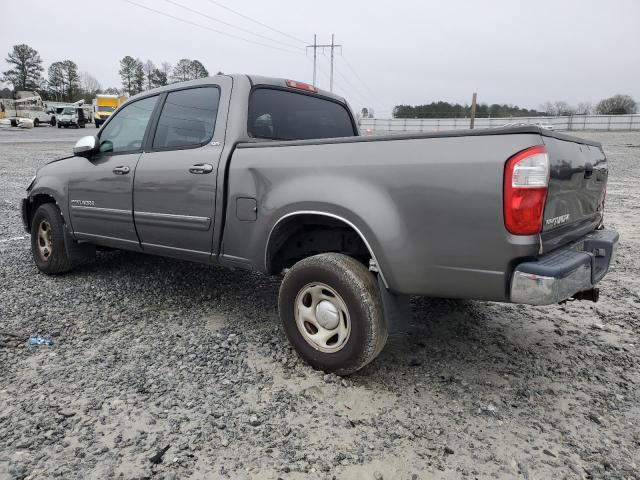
[[271, 175]]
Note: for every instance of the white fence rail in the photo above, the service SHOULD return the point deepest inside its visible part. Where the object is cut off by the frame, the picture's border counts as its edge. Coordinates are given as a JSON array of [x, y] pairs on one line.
[[574, 122]]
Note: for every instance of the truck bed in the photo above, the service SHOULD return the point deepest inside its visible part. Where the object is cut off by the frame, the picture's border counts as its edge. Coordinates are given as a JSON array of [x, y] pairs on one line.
[[429, 204]]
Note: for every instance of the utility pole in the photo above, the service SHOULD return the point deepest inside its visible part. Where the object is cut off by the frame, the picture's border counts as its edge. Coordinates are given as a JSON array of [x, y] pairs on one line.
[[315, 47], [331, 76], [314, 58], [473, 110]]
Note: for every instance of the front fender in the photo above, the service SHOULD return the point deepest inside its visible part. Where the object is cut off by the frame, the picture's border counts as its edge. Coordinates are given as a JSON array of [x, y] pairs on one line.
[[54, 186]]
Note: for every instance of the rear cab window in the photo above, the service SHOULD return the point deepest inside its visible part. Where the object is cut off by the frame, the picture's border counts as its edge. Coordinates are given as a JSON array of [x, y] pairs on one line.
[[277, 114]]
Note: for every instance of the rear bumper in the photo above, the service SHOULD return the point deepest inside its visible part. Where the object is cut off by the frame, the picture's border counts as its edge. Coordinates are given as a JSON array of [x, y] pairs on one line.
[[564, 272]]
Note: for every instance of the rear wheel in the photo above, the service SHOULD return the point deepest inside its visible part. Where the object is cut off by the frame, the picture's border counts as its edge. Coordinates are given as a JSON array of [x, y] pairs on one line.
[[36, 122], [47, 241], [331, 312]]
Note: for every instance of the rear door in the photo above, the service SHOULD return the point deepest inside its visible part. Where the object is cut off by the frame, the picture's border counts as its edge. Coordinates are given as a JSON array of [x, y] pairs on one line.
[[175, 182], [101, 189], [577, 183]]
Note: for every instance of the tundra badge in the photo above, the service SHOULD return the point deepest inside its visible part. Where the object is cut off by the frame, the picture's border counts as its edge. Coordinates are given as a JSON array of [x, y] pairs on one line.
[[557, 220]]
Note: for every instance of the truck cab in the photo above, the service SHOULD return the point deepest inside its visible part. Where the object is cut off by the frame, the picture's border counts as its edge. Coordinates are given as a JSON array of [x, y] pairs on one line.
[[104, 106]]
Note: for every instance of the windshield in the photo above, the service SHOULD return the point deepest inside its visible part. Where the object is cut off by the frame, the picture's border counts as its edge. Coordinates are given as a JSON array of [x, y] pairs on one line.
[[67, 111], [106, 109]]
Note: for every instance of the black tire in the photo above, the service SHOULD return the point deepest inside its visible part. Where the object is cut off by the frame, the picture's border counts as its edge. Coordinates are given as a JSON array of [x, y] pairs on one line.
[[358, 289], [59, 126], [82, 126], [57, 261], [97, 125], [52, 122], [36, 122]]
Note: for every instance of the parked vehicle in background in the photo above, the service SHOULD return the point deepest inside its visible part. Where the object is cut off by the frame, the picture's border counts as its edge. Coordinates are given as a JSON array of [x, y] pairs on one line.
[[55, 109], [71, 117], [545, 126], [28, 105], [270, 175], [104, 106]]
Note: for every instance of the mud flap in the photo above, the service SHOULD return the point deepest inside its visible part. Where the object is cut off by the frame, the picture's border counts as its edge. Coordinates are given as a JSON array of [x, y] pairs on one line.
[[78, 252], [397, 309]]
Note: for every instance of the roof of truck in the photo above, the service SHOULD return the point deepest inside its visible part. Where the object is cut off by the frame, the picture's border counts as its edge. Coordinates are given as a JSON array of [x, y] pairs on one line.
[[253, 79], [282, 82]]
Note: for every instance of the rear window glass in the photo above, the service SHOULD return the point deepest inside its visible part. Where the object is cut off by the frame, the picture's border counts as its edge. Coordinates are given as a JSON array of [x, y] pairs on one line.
[[188, 118], [282, 115]]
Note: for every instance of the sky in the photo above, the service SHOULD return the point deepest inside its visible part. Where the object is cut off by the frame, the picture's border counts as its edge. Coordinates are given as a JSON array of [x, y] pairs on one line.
[[393, 52]]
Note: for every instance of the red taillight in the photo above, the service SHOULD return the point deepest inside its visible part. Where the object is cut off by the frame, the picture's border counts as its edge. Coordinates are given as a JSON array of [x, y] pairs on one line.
[[526, 178], [301, 86]]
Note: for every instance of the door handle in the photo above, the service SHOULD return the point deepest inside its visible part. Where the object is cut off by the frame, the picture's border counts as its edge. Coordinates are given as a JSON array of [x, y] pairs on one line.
[[122, 170], [201, 168]]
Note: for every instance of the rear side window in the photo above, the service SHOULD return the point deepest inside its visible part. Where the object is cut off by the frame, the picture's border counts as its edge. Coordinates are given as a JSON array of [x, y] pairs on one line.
[[188, 118], [282, 115]]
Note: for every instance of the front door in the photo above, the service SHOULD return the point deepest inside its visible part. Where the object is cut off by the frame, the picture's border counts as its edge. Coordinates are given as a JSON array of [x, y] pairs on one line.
[[175, 182], [101, 187]]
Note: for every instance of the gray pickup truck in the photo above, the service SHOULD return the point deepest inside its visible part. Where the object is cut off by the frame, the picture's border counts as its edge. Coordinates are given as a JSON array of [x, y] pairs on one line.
[[270, 175]]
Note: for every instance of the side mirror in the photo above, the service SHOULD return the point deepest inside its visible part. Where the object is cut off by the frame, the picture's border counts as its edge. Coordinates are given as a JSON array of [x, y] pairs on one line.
[[86, 146]]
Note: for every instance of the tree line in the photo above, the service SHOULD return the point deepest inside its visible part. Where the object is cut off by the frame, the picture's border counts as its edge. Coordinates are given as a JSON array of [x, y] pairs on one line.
[[616, 105], [64, 82]]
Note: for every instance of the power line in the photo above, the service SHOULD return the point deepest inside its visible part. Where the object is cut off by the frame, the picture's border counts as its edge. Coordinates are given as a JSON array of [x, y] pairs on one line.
[[356, 74], [353, 88], [197, 12], [340, 87], [246, 17], [231, 35]]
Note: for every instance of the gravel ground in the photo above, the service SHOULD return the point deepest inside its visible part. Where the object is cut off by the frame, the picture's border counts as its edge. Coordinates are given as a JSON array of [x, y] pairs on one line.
[[153, 353]]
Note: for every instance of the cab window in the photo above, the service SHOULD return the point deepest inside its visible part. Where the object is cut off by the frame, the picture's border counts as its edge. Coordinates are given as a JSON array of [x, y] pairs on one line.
[[125, 131], [282, 115], [188, 118]]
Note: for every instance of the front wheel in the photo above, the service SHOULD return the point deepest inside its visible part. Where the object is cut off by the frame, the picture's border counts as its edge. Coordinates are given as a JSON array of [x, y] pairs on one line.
[[47, 241], [36, 122], [331, 312]]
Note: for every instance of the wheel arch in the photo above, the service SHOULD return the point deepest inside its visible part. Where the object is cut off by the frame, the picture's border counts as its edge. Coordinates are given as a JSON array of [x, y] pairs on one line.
[[36, 200], [287, 226]]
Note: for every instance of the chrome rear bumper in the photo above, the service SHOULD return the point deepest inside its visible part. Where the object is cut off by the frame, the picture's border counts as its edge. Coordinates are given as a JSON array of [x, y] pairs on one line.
[[564, 272]]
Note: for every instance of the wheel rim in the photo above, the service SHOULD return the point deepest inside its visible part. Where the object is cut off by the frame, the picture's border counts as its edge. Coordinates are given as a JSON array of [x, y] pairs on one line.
[[45, 245], [322, 317]]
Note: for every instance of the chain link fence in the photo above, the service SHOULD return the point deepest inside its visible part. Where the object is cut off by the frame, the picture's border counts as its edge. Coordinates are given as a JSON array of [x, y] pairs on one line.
[[570, 123]]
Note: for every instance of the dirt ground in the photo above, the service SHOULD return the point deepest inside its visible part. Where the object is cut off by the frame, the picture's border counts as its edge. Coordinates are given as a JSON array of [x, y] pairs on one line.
[[152, 353]]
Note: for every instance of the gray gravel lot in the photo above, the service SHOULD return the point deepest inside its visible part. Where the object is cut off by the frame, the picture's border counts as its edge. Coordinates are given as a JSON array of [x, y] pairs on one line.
[[152, 352]]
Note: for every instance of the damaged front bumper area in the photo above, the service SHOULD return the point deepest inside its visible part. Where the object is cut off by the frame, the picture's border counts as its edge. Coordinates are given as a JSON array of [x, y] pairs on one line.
[[569, 271]]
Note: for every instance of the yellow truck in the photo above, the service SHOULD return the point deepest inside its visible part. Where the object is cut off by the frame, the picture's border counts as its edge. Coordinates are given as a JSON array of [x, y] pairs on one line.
[[104, 106]]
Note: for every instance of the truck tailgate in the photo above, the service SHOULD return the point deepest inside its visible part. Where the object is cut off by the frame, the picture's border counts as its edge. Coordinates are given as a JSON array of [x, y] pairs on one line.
[[577, 185]]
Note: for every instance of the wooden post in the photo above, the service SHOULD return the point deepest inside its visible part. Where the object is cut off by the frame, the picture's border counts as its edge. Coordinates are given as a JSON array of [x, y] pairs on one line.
[[473, 110]]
